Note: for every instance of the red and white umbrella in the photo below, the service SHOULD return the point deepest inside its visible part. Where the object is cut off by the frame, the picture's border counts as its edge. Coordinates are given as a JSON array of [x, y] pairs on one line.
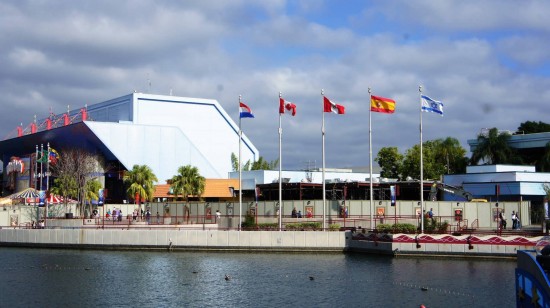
[[55, 199]]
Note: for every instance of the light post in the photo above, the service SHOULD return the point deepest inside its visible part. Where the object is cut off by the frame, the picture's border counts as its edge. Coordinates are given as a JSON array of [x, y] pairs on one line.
[[229, 209], [499, 222], [344, 212], [206, 205], [279, 215]]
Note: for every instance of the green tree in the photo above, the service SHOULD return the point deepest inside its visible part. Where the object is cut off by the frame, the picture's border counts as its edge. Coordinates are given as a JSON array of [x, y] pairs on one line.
[[262, 164], [65, 186], [440, 156], [73, 169], [531, 127], [235, 163], [141, 183], [92, 192], [411, 162], [390, 161], [546, 188], [493, 148], [452, 155], [188, 182]]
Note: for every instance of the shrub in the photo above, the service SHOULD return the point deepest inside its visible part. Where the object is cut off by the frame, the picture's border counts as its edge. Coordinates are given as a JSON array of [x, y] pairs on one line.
[[333, 227], [404, 228], [384, 228], [396, 228], [303, 226], [268, 226], [249, 222], [432, 226]]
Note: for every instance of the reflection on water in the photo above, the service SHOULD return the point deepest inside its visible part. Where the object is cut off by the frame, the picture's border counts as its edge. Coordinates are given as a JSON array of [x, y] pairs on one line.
[[71, 278]]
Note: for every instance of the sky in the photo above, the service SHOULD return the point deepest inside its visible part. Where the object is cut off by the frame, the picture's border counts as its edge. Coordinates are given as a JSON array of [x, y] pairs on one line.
[[487, 61]]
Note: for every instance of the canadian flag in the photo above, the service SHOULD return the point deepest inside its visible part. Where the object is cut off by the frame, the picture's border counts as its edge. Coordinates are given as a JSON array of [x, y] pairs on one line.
[[332, 107], [288, 106]]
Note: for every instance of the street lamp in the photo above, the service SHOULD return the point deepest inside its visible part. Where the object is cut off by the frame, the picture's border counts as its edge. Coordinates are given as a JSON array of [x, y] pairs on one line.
[[206, 205], [499, 222]]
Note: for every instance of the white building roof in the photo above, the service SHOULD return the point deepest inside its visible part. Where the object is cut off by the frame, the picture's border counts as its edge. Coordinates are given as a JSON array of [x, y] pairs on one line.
[[166, 132]]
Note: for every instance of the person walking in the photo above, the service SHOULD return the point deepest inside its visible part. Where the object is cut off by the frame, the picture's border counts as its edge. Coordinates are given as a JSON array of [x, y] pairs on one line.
[[514, 220], [148, 216], [431, 214], [502, 221]]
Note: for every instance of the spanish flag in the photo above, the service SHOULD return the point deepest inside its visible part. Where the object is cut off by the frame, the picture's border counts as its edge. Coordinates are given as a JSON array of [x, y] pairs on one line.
[[382, 104]]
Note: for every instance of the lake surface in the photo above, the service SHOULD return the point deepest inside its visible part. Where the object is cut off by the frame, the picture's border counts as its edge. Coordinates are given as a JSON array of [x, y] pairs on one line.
[[75, 278]]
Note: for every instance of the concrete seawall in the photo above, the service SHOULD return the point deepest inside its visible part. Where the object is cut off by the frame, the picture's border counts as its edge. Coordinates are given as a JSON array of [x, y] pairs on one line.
[[176, 239], [273, 241]]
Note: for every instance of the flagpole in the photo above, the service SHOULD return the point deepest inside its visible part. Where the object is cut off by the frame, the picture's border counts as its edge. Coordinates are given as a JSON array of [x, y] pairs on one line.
[[36, 169], [47, 180], [240, 169], [280, 171], [370, 162], [323, 156], [421, 168], [41, 163], [36, 183], [48, 169]]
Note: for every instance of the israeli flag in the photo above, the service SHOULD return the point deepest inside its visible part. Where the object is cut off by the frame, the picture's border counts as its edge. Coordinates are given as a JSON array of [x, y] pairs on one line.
[[430, 105]]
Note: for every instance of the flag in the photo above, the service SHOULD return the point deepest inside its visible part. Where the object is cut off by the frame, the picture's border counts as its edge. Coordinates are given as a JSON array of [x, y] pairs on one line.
[[332, 107], [430, 105], [286, 105], [54, 156], [245, 111], [42, 157], [382, 104]]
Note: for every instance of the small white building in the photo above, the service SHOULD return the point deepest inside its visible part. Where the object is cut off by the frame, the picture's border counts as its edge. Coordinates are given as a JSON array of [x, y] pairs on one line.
[[502, 183]]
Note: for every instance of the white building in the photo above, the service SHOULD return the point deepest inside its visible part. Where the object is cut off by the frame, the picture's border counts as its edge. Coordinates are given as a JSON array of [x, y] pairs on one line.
[[162, 132]]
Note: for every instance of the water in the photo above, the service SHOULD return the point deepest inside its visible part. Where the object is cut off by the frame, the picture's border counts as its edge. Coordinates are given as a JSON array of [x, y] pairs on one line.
[[73, 278]]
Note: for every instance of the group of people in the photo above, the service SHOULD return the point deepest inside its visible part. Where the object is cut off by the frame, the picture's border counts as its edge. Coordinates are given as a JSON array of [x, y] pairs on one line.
[[116, 214], [296, 214], [39, 225], [516, 223]]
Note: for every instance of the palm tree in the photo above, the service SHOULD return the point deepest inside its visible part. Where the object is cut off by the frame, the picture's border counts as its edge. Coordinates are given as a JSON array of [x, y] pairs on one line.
[[188, 182], [92, 192], [141, 181], [452, 155], [262, 164], [493, 148], [235, 163]]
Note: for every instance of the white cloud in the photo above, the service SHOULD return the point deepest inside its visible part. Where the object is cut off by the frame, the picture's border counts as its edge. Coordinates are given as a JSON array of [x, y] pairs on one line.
[[473, 16], [77, 53], [530, 50]]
